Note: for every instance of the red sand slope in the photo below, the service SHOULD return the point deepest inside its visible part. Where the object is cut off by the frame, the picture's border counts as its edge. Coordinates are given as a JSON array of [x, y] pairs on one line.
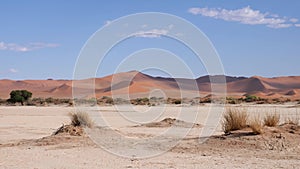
[[138, 84]]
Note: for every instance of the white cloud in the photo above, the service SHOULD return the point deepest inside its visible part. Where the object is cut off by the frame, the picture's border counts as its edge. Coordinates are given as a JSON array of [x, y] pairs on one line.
[[27, 47], [12, 70], [108, 22], [297, 25], [294, 20], [245, 15], [171, 26], [280, 25], [154, 33]]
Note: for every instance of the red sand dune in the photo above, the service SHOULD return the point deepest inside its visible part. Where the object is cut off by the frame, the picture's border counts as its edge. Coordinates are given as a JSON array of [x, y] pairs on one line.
[[139, 84]]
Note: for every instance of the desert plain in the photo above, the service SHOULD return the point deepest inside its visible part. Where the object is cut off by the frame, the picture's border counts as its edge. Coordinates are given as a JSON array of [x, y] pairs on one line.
[[27, 140]]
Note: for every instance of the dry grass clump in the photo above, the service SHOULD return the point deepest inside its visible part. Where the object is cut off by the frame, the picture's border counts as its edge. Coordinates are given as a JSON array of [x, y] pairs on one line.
[[237, 119], [292, 120], [234, 119], [256, 125], [81, 119], [271, 120]]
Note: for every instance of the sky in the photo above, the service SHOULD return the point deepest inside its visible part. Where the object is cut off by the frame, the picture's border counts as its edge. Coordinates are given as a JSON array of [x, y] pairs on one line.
[[43, 39]]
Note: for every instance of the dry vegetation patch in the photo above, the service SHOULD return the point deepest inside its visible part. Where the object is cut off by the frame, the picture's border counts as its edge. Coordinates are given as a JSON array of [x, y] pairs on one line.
[[272, 120], [237, 119], [69, 129], [79, 120], [234, 119], [292, 120], [256, 125]]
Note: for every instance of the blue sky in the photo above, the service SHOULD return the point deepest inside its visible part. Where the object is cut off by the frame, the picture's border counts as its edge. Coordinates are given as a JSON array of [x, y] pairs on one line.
[[42, 39]]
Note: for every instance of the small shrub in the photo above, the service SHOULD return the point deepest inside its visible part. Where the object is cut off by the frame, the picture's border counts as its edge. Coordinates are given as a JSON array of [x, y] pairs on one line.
[[109, 100], [2, 101], [205, 100], [145, 99], [49, 100], [105, 97], [234, 119], [121, 101], [276, 100], [232, 102], [140, 101], [271, 120], [153, 98], [177, 101], [250, 98], [256, 125], [81, 119]]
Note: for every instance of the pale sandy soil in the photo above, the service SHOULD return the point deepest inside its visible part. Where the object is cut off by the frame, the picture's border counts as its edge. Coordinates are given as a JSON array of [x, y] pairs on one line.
[[25, 140]]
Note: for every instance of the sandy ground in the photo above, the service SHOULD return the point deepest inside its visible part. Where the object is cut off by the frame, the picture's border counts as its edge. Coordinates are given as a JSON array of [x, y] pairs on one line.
[[25, 140]]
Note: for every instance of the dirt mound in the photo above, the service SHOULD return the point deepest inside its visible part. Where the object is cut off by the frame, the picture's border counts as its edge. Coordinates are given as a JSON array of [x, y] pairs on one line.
[[65, 136], [284, 138], [59, 141], [281, 142], [280, 138], [290, 128], [168, 122]]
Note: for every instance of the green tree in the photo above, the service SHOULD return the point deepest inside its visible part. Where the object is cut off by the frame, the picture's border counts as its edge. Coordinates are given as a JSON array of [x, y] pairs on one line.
[[19, 96], [251, 98]]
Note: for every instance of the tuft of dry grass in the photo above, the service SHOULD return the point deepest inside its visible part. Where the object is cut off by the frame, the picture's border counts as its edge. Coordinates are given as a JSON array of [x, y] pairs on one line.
[[271, 120], [256, 125], [292, 120], [234, 119], [81, 119]]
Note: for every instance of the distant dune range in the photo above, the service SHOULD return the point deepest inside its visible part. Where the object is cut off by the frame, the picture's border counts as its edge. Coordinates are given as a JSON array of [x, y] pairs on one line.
[[141, 85]]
